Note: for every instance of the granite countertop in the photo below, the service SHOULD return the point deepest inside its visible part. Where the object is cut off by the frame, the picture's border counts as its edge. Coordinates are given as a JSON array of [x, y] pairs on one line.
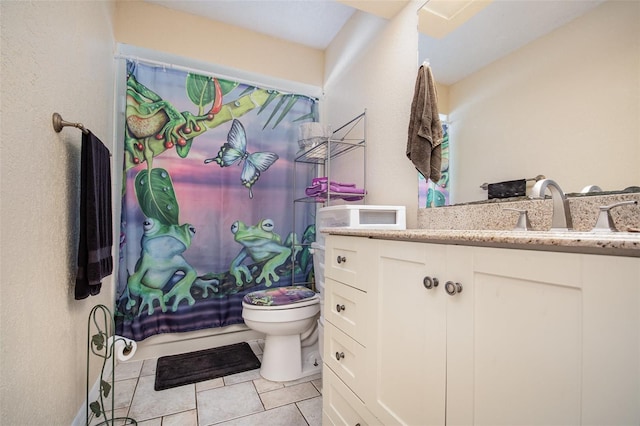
[[608, 243]]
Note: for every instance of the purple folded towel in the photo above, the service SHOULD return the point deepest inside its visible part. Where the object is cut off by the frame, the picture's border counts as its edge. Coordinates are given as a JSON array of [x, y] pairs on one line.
[[323, 198], [324, 179], [334, 187], [320, 186], [311, 191]]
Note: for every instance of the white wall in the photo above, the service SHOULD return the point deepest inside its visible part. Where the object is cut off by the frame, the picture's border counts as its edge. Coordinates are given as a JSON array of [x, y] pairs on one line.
[[377, 75], [56, 56], [215, 42], [566, 106]]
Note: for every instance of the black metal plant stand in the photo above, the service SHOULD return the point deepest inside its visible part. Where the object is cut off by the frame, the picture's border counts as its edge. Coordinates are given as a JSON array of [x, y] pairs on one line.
[[103, 326]]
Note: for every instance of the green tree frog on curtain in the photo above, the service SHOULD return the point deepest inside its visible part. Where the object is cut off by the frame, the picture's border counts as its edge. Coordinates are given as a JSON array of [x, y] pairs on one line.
[[160, 259], [263, 245]]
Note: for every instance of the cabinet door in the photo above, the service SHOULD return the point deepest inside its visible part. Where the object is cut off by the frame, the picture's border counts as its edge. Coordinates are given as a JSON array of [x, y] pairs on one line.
[[514, 354], [407, 347], [611, 342]]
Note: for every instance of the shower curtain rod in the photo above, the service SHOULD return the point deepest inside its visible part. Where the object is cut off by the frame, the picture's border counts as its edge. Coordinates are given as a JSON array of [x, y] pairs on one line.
[[138, 59]]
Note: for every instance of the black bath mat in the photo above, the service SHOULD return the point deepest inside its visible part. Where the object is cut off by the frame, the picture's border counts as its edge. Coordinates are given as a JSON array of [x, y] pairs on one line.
[[193, 367]]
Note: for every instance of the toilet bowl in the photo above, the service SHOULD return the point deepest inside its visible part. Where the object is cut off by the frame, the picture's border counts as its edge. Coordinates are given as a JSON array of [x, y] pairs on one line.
[[288, 318]]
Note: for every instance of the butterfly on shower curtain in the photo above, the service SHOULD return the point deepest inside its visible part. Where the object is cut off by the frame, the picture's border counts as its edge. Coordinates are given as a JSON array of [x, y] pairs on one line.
[[235, 151]]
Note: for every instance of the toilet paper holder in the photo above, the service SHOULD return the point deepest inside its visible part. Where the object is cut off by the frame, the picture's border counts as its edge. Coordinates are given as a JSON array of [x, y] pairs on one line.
[[105, 344]]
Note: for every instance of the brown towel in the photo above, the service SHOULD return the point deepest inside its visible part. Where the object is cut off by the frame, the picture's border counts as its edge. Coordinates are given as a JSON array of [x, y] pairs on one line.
[[425, 129], [96, 235]]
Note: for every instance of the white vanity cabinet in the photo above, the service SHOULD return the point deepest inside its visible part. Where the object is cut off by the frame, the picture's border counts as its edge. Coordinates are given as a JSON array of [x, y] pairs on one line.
[[526, 337], [556, 340], [408, 355], [525, 332], [350, 273]]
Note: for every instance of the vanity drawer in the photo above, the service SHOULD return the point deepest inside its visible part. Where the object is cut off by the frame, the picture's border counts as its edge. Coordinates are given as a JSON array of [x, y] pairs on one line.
[[346, 308], [346, 357], [340, 406], [348, 260]]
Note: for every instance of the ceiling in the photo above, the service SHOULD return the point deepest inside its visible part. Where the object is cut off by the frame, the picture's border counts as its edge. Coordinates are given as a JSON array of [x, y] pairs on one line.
[[496, 30], [313, 23]]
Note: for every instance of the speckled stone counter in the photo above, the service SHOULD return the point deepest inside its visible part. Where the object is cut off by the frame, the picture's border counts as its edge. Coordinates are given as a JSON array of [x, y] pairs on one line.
[[492, 215], [488, 224], [614, 243]]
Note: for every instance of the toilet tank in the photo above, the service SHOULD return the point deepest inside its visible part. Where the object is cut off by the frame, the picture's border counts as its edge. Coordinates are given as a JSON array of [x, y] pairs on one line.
[[360, 217]]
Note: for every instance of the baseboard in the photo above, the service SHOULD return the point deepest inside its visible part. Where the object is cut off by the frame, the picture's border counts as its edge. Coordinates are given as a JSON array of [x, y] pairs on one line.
[[178, 343]]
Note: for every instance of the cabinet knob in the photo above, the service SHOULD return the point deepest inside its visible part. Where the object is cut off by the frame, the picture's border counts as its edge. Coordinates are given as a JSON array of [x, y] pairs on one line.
[[341, 259], [429, 282], [340, 308], [452, 288], [339, 355]]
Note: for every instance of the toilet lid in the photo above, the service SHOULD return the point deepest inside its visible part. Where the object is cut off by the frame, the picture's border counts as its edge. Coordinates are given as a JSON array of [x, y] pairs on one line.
[[279, 296]]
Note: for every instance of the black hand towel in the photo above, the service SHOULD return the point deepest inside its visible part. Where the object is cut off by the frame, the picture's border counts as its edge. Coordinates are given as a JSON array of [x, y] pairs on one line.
[[96, 235]]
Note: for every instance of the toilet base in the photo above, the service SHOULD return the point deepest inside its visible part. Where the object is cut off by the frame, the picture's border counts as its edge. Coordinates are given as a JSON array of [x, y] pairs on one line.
[[284, 359]]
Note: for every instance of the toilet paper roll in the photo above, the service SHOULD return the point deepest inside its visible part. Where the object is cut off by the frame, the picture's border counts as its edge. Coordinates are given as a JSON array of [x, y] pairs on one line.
[[124, 348]]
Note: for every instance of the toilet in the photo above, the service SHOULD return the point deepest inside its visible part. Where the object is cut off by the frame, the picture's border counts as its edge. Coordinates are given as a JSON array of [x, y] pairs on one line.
[[288, 317]]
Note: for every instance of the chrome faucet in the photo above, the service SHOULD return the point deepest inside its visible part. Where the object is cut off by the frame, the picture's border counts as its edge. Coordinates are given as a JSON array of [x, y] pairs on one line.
[[605, 222], [561, 218], [590, 188]]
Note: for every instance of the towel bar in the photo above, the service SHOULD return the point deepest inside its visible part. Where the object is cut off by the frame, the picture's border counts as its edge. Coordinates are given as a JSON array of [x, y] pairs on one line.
[[59, 123]]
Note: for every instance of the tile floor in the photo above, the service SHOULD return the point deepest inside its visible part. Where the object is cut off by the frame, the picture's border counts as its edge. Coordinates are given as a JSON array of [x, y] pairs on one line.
[[238, 399]]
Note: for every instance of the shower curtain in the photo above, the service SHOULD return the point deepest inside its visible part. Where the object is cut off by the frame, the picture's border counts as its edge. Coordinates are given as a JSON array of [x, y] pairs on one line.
[[436, 194], [207, 200]]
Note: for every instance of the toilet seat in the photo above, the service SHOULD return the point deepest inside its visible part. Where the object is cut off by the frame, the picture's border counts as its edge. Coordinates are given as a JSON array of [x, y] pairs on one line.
[[280, 298]]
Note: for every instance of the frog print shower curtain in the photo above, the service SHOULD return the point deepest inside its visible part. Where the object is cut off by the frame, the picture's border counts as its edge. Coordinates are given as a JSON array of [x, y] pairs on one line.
[[207, 199]]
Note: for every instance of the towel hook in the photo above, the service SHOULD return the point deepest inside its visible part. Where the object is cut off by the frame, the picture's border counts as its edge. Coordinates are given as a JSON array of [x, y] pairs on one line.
[[59, 123]]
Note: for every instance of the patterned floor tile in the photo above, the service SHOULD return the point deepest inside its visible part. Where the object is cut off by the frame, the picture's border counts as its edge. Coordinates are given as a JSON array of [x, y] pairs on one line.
[[288, 395], [149, 403], [287, 415], [186, 418], [242, 399], [242, 377], [227, 403], [311, 410], [128, 370]]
